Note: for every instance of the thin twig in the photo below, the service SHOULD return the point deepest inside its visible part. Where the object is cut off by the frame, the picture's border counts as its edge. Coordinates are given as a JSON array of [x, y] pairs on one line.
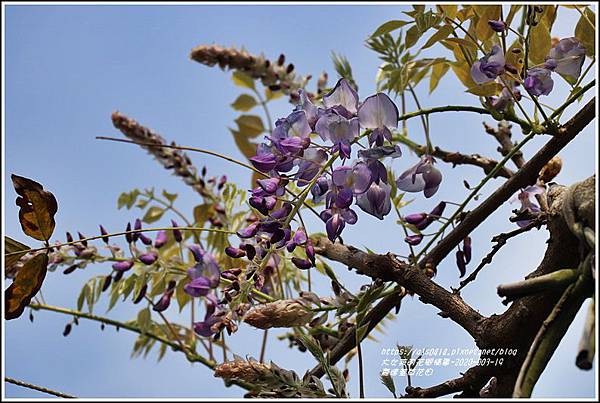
[[38, 388]]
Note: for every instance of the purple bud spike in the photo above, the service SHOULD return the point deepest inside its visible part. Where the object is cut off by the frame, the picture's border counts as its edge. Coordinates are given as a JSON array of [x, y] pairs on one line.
[[136, 226], [141, 294], [413, 239], [176, 232], [415, 218], [69, 237], [164, 301], [104, 233], [122, 266], [467, 249], [81, 236], [128, 236], [460, 262], [161, 239], [106, 284], [148, 258], [118, 276]]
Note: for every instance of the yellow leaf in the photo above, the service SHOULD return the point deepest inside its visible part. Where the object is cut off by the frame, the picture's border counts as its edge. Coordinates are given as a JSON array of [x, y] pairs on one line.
[[539, 43], [13, 246], [244, 103], [244, 145], [486, 90], [250, 125], [463, 72], [449, 10], [438, 71], [484, 14], [585, 31], [242, 80]]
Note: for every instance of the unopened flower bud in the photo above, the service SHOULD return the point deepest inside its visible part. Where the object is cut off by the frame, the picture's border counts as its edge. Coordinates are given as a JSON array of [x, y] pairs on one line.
[[106, 284], [176, 232], [148, 258], [103, 232], [235, 253], [551, 169], [497, 25], [161, 239], [413, 239], [122, 266]]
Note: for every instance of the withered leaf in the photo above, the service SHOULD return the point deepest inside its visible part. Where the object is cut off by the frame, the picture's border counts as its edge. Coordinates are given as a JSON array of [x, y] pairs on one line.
[[13, 246], [27, 283], [38, 207]]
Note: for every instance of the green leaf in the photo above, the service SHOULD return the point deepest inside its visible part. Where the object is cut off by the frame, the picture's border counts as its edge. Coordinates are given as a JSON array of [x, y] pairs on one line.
[[26, 284], [250, 125], [437, 72], [182, 297], [144, 320], [153, 214], [460, 41], [13, 246], [82, 294], [585, 31], [242, 80], [244, 103], [389, 27], [37, 208], [272, 95]]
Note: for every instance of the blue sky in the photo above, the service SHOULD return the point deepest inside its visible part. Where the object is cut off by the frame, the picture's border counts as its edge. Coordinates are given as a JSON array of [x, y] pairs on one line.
[[69, 67]]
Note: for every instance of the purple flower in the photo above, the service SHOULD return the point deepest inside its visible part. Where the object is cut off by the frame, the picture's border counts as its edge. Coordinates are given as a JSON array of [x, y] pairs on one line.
[[423, 176], [176, 232], [461, 262], [505, 98], [311, 111], [104, 234], [538, 81], [164, 301], [249, 231], [264, 160], [161, 239], [343, 95], [413, 239], [272, 186], [302, 264], [340, 130], [137, 226], [300, 237], [291, 134], [197, 252], [145, 240], [122, 266], [335, 220], [204, 328], [198, 287], [497, 25], [310, 251], [148, 258], [378, 112], [527, 204], [376, 201], [467, 249], [320, 189], [357, 178], [309, 166], [488, 67], [234, 253], [566, 58]]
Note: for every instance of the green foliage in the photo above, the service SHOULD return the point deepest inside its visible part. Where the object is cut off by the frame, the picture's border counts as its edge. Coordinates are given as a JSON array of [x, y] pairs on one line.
[[343, 68]]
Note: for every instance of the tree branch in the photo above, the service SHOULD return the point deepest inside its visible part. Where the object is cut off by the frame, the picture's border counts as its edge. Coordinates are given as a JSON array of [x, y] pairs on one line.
[[38, 388], [456, 158]]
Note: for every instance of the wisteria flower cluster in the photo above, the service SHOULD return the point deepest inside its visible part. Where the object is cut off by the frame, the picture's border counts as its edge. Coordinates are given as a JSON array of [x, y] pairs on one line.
[[565, 58], [362, 181]]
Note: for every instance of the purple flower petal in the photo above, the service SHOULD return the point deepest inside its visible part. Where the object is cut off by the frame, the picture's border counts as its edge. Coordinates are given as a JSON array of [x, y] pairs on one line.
[[344, 95]]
